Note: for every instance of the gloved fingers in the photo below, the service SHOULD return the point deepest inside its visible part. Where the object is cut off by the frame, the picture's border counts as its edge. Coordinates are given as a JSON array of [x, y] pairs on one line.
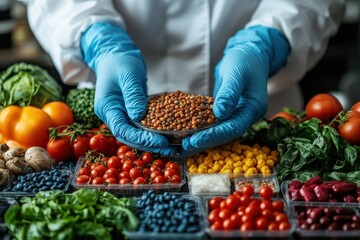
[[232, 79], [111, 110], [248, 112]]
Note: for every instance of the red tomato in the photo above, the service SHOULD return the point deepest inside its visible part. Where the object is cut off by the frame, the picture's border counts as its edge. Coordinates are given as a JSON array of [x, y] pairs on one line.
[[98, 180], [273, 226], [232, 202], [278, 206], [266, 192], [247, 226], [245, 200], [261, 223], [124, 174], [124, 181], [112, 146], [135, 173], [83, 171], [123, 149], [109, 175], [216, 226], [356, 107], [127, 165], [286, 115], [267, 213], [130, 155], [140, 180], [83, 179], [225, 214], [98, 171], [80, 146], [110, 180], [155, 168], [99, 143], [169, 173], [214, 216], [139, 163], [159, 179], [252, 210], [281, 217], [59, 149], [266, 204], [236, 219], [324, 107], [160, 162], [175, 179], [172, 165], [247, 190], [155, 174], [112, 171], [350, 130], [215, 202], [147, 157], [228, 225], [146, 173], [284, 226], [114, 162]]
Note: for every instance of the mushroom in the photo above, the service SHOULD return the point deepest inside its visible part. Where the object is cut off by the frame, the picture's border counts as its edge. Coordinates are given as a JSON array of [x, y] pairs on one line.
[[13, 153], [17, 165], [4, 177], [38, 159], [2, 163]]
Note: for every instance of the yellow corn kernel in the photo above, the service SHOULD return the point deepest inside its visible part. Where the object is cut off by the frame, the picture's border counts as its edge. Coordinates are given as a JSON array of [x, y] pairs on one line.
[[194, 166], [238, 170], [238, 164], [221, 162], [257, 146], [250, 162], [265, 169], [260, 164], [200, 159], [250, 172], [236, 158], [274, 153], [190, 162], [245, 167], [249, 154], [193, 170], [265, 150], [203, 165], [210, 170], [217, 167], [226, 171], [270, 163], [270, 157], [208, 160], [202, 170], [217, 156], [226, 153], [227, 167]]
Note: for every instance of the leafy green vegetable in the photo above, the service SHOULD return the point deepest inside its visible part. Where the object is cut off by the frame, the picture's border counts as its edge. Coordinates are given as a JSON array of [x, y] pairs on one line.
[[310, 149], [83, 213], [27, 85], [81, 102]]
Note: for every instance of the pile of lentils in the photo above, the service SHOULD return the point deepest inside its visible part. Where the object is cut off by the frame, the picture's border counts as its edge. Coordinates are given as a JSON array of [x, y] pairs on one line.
[[167, 213], [177, 111]]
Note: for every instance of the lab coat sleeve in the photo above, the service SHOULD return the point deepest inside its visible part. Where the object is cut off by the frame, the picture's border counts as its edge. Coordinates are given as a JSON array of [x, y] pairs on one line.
[[58, 26], [308, 26]]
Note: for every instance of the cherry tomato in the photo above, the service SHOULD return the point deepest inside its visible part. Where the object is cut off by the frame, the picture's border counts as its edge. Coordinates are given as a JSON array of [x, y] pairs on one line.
[[246, 218], [350, 130], [127, 165], [159, 179], [140, 180], [80, 146], [281, 217], [356, 107], [147, 157], [112, 171], [130, 155], [216, 226], [284, 226], [232, 202], [146, 173], [103, 126], [247, 190], [83, 179], [175, 179], [98, 143], [98, 171], [124, 174], [114, 162], [123, 149], [108, 175], [110, 180], [266, 192], [135, 173], [245, 200], [247, 226], [324, 107], [174, 166], [273, 226], [261, 223], [155, 168], [139, 163], [84, 171], [252, 210], [169, 173], [214, 216], [267, 213], [236, 219], [112, 146], [225, 214], [286, 115], [159, 162], [124, 181], [155, 174], [59, 149], [98, 180], [228, 225], [214, 202], [278, 206]]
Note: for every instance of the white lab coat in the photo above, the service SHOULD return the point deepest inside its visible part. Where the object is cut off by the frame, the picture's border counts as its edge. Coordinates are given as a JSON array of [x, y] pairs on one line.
[[182, 40]]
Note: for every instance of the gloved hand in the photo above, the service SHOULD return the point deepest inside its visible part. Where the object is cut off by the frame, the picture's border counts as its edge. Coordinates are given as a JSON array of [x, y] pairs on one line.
[[251, 56], [120, 91]]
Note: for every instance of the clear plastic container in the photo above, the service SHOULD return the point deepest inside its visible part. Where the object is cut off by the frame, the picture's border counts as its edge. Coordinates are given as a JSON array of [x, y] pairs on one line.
[[128, 189], [303, 228], [137, 235], [64, 186], [251, 233], [5, 203], [285, 193], [257, 181], [174, 137]]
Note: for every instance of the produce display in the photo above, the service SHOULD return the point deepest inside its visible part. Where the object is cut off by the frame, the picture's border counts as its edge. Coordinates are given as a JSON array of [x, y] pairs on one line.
[[70, 178]]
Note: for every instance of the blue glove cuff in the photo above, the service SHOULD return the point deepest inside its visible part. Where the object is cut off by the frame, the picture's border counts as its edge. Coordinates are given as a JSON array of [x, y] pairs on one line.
[[269, 41], [102, 39]]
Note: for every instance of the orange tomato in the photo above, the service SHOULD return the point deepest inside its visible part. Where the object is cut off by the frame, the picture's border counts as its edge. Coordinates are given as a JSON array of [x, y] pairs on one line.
[[60, 113]]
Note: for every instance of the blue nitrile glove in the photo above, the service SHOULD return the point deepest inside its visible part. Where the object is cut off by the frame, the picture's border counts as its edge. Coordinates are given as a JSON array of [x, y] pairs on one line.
[[120, 92], [251, 56]]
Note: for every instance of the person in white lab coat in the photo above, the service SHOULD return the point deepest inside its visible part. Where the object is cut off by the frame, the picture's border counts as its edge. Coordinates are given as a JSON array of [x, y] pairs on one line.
[[248, 54]]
